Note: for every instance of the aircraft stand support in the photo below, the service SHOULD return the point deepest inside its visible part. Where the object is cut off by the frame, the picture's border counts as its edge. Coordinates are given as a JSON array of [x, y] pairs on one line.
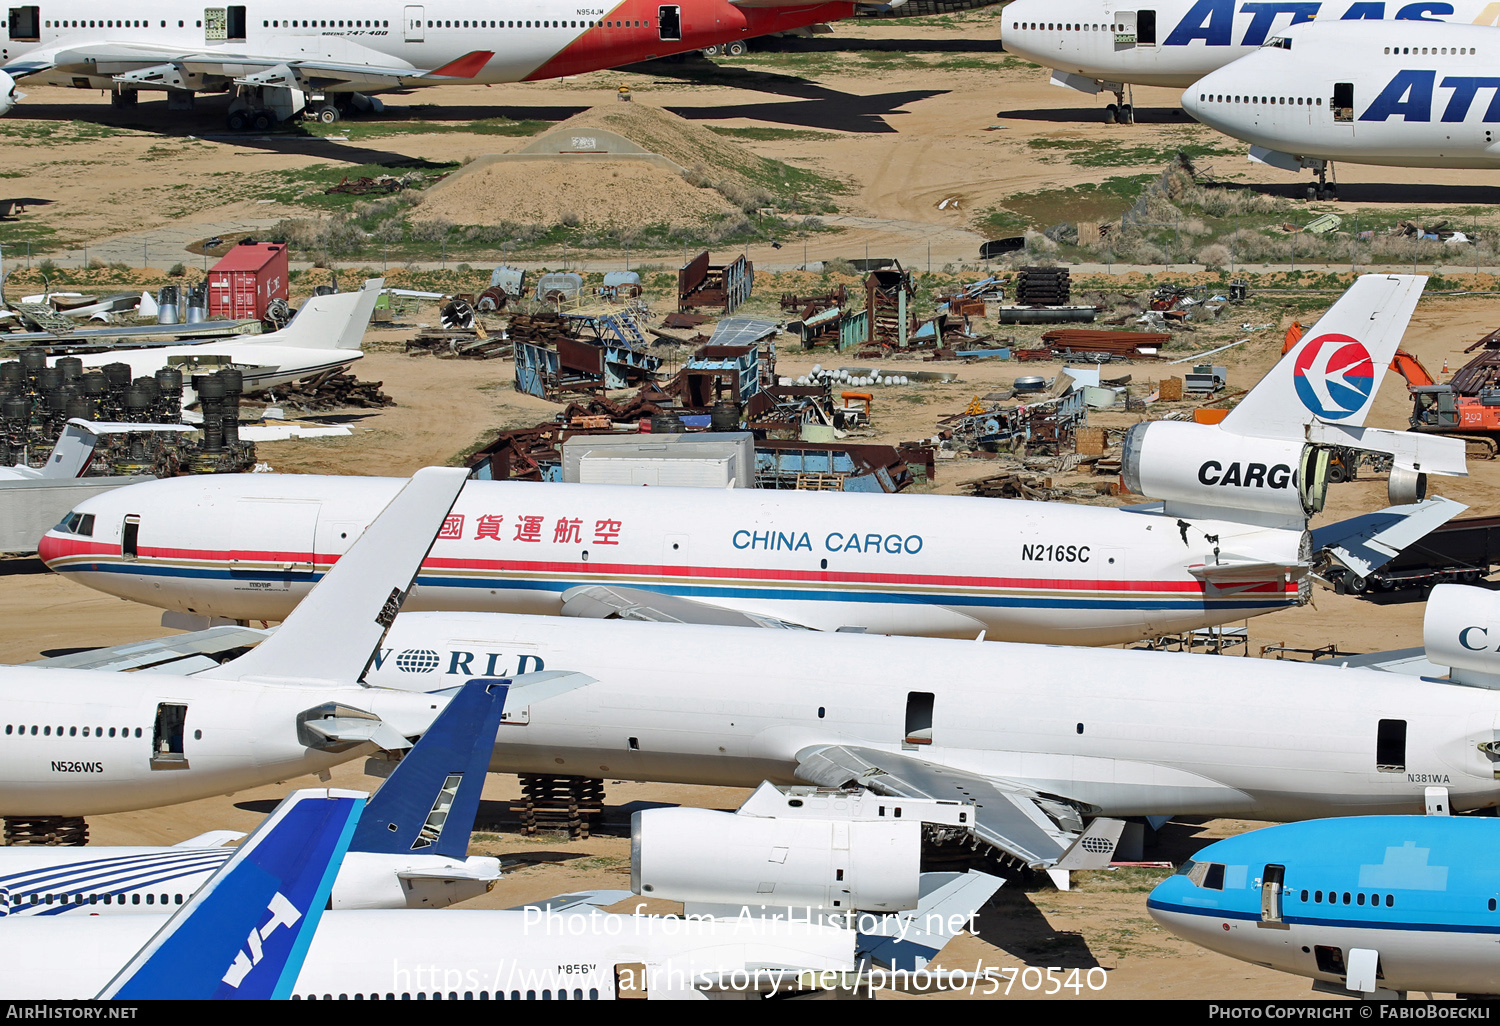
[[556, 802], [46, 830]]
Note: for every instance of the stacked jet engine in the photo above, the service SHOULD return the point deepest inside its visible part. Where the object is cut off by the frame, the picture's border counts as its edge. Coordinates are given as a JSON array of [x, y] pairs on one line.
[[37, 401]]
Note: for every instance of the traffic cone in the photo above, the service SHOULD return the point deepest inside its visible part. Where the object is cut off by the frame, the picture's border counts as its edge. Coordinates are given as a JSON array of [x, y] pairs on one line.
[[1445, 365]]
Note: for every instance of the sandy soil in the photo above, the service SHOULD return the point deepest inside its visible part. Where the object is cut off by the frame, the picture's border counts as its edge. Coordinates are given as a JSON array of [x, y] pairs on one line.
[[905, 136]]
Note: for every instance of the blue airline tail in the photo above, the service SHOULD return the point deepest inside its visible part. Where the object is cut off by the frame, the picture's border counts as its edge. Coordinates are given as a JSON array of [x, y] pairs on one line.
[[245, 933], [427, 805]]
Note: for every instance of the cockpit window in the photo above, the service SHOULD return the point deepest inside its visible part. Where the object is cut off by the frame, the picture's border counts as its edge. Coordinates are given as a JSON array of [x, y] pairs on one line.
[[81, 524], [1280, 42], [1208, 875]]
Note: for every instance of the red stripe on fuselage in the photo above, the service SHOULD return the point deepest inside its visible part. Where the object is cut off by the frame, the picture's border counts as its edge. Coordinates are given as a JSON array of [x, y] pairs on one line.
[[53, 548], [631, 32]]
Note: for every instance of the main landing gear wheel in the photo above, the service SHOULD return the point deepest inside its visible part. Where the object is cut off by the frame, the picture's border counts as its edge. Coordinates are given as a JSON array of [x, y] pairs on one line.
[[238, 120], [327, 114], [262, 120], [1127, 114], [735, 49], [1111, 113], [711, 51]]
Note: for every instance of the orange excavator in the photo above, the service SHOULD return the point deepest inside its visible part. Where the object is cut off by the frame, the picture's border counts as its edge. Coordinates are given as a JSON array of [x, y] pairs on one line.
[[1467, 407]]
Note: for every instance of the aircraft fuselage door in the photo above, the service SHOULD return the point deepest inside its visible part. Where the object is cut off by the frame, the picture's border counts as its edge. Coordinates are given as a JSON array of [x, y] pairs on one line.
[[1125, 30], [918, 728], [235, 22], [1343, 103], [670, 20], [273, 534], [413, 19], [25, 24], [1145, 29], [1270, 897], [167, 736], [130, 533]]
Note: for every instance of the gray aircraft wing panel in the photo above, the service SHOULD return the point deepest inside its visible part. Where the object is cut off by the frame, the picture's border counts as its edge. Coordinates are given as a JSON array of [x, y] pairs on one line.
[[181, 654], [1008, 816], [611, 602]]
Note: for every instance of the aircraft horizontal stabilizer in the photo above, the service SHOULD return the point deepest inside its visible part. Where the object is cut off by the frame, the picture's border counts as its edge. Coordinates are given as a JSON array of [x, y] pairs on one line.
[[328, 322], [578, 900], [180, 654], [211, 839], [909, 940], [273, 890], [1427, 454], [1366, 543], [611, 602], [335, 631], [1010, 817], [337, 733], [1229, 572]]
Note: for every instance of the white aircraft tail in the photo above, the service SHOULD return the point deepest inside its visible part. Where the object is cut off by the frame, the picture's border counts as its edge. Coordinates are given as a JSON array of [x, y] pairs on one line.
[[74, 449], [1334, 372], [335, 631], [329, 322]]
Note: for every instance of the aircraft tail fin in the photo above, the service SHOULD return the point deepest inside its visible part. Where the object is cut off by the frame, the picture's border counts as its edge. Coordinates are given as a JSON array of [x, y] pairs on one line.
[[1334, 371], [335, 631], [74, 449], [246, 932], [428, 803], [329, 322]]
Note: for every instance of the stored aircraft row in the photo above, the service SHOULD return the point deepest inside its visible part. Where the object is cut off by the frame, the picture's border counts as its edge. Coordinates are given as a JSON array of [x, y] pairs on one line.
[[1228, 537]]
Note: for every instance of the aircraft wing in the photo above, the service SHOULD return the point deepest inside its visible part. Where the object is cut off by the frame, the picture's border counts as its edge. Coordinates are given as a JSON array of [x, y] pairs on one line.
[[1041, 831], [1366, 543], [578, 900], [611, 602], [182, 654]]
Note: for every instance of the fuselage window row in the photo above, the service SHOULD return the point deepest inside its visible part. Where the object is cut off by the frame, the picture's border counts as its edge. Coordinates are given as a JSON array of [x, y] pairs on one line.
[[111, 898], [1352, 899], [72, 731]]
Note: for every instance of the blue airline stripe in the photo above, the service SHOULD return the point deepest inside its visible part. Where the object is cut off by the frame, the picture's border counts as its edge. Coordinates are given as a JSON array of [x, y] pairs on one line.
[[1128, 601], [1349, 924], [104, 869], [116, 887]]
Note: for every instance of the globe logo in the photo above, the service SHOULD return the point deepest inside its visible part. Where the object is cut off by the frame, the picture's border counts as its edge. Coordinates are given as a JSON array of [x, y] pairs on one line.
[[417, 660]]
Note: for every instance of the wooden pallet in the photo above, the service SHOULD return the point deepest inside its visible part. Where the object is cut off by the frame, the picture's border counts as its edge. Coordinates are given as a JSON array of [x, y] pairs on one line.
[[549, 802]]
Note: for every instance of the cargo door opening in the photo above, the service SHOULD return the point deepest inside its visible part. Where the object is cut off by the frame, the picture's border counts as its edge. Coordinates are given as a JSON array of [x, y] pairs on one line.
[[25, 24], [1270, 896], [236, 23], [630, 980], [918, 719], [1390, 746], [167, 736], [670, 20], [1343, 102], [130, 534]]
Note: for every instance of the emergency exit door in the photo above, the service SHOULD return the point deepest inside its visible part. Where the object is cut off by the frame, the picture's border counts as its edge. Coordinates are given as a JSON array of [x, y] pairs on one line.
[[413, 20]]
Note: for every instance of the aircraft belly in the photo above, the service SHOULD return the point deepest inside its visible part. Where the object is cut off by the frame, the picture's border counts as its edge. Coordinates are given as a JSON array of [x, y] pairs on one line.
[[524, 755]]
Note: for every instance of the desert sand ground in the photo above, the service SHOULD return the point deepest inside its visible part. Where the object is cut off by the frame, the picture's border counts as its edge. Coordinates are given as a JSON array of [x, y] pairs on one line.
[[907, 134]]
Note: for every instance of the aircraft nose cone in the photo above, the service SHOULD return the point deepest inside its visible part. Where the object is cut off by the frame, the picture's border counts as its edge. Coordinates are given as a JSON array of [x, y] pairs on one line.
[[49, 549]]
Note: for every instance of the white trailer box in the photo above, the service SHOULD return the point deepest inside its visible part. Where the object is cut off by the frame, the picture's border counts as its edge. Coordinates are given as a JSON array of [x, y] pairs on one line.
[[701, 459]]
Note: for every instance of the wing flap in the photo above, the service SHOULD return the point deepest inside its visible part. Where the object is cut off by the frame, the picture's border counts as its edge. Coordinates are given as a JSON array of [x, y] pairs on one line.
[[1008, 816]]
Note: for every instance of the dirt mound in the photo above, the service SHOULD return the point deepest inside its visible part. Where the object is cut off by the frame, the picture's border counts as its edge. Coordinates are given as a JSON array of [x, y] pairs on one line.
[[596, 194]]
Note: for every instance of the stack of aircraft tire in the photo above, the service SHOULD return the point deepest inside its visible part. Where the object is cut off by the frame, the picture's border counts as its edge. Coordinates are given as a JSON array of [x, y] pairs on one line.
[[1042, 286]]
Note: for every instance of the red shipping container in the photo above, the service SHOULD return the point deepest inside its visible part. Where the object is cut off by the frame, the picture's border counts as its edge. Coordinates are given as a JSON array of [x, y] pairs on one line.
[[243, 284]]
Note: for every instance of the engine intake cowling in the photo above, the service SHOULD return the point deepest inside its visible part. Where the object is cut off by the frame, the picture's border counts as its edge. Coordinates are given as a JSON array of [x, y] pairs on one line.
[[1205, 468], [1461, 630]]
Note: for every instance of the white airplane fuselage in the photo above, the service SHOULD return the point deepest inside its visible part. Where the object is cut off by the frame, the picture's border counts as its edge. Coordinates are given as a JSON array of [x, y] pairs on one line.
[[534, 40], [1413, 95], [1111, 41], [85, 742], [247, 547], [1131, 733], [455, 954]]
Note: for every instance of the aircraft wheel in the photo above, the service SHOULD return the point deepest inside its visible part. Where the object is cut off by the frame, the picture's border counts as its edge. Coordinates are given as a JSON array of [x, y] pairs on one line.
[[1313, 193], [735, 49], [328, 114], [1332, 193], [1355, 584], [711, 51], [238, 120], [1127, 114], [262, 121], [1111, 114], [1336, 475]]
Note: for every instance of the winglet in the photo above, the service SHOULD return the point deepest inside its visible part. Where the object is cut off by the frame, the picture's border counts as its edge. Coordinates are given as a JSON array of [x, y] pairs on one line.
[[246, 932], [1334, 372], [428, 803], [467, 66], [335, 631]]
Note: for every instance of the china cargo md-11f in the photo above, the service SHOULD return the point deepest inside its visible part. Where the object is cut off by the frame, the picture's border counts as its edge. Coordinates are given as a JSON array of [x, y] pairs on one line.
[[284, 58], [410, 849], [1229, 539], [1096, 46], [82, 742], [1411, 95]]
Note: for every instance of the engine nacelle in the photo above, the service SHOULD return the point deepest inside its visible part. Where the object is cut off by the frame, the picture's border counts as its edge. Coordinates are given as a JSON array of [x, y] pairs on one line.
[[699, 856], [1461, 630], [8, 95], [1202, 469]]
